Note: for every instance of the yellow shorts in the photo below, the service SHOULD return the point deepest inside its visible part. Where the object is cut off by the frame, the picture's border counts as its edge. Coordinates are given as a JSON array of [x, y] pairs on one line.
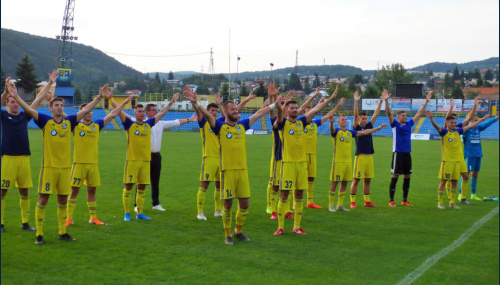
[[210, 169], [275, 171], [463, 166], [137, 172], [16, 169], [363, 167], [341, 171], [85, 174], [54, 179], [293, 176], [449, 170], [234, 184], [311, 164]]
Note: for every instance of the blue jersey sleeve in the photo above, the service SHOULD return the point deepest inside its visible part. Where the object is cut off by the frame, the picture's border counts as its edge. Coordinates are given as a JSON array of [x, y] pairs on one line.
[[100, 123], [460, 131], [222, 119], [42, 120], [202, 122], [245, 123], [484, 125], [151, 121], [336, 132], [303, 119], [128, 122], [218, 126], [281, 125], [394, 123], [317, 122], [459, 125], [410, 122], [443, 132], [354, 133]]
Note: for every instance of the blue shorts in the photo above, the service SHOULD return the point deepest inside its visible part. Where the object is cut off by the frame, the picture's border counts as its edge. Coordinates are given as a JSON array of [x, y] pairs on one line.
[[473, 164]]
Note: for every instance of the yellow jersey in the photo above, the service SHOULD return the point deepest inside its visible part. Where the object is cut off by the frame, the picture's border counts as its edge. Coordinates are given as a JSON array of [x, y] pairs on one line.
[[56, 140], [292, 140], [210, 142], [451, 145], [138, 139], [86, 142], [342, 142], [233, 145], [311, 135]]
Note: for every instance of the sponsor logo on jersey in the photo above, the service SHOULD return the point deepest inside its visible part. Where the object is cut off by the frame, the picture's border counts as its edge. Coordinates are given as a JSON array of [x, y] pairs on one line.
[[305, 130], [341, 139], [450, 139], [291, 132], [229, 135], [136, 133], [53, 132], [82, 133]]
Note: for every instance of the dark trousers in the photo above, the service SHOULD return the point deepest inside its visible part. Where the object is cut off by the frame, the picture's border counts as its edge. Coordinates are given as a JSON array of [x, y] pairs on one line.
[[155, 170], [154, 173]]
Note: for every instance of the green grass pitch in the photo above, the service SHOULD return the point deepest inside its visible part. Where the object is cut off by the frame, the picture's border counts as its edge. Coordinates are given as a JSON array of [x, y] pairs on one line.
[[364, 246]]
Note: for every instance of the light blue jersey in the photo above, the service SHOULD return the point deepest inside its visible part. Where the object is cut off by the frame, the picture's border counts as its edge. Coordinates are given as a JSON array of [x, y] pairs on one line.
[[472, 139]]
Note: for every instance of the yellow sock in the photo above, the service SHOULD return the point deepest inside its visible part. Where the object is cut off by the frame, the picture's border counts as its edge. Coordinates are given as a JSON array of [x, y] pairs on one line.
[[281, 213], [310, 190], [353, 198], [269, 190], [341, 199], [367, 198], [331, 198], [40, 216], [92, 209], [71, 208], [299, 207], [200, 199], [3, 206], [62, 212], [226, 220], [448, 187], [126, 200], [139, 200], [440, 197], [217, 199], [274, 200], [241, 215], [453, 195], [465, 189], [24, 202]]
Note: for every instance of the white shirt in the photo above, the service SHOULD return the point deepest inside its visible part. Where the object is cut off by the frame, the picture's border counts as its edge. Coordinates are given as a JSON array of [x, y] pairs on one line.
[[157, 132]]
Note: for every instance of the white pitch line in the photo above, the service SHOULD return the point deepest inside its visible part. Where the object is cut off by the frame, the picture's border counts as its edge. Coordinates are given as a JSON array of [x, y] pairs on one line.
[[436, 257]]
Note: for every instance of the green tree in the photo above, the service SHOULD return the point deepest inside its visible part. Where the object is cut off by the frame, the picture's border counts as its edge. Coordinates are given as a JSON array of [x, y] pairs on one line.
[[389, 75], [448, 81], [225, 90], [352, 86], [479, 82], [488, 75], [316, 82], [77, 95], [244, 90], [170, 76], [307, 87], [342, 92], [261, 91], [157, 78], [25, 72], [372, 92], [358, 78], [496, 74], [202, 90], [431, 82], [294, 83], [457, 92], [456, 74]]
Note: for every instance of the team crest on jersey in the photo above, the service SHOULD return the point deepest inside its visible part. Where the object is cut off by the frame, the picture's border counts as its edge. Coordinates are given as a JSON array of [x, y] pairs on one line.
[[92, 128], [305, 130], [298, 124], [211, 130], [348, 135], [291, 132], [341, 139], [53, 132], [64, 126], [136, 133], [238, 128], [229, 135], [312, 127], [145, 127], [82, 133]]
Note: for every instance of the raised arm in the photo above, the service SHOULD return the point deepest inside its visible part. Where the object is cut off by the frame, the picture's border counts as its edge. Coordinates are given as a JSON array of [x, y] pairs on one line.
[[370, 131], [5, 93], [166, 108], [250, 97], [471, 125], [44, 94], [281, 114], [308, 102], [471, 113], [188, 120], [377, 111], [89, 107], [117, 110], [438, 128], [385, 96], [30, 111], [356, 115], [218, 100], [273, 93], [109, 95], [320, 106], [265, 110], [332, 129], [191, 96], [422, 109]]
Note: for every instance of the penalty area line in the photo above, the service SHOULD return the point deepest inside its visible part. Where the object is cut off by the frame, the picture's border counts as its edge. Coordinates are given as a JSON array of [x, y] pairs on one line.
[[436, 257]]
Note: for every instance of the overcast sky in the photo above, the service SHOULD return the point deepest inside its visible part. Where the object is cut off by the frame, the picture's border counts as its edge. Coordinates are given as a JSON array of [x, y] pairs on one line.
[[361, 33]]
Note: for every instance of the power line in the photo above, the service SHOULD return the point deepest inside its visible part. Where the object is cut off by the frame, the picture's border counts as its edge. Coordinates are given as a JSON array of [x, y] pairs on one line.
[[138, 55]]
